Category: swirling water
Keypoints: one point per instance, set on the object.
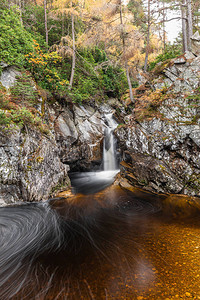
(113, 244)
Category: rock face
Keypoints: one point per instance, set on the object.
(30, 167)
(8, 75)
(79, 134)
(181, 74)
(162, 154)
(34, 167)
(196, 43)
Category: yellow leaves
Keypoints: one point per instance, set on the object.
(64, 49)
(66, 7)
(113, 49)
(188, 294)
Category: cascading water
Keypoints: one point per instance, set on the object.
(109, 151)
(92, 182)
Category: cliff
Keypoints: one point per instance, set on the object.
(34, 163)
(161, 142)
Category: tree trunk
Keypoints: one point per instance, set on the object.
(73, 54)
(184, 26)
(20, 11)
(124, 54)
(148, 36)
(190, 27)
(45, 22)
(164, 34)
(63, 19)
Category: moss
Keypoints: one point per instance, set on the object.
(162, 167)
(61, 186)
(161, 66)
(39, 159)
(121, 126)
(143, 181)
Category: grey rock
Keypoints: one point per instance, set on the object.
(189, 55)
(163, 155)
(8, 76)
(30, 167)
(182, 75)
(196, 43)
(180, 60)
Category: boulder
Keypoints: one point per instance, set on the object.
(30, 167)
(8, 75)
(196, 43)
(162, 153)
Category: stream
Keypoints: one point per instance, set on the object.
(102, 242)
(114, 244)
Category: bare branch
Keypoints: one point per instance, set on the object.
(52, 26)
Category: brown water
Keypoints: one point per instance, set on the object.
(115, 244)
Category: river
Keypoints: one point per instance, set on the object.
(114, 244)
(104, 241)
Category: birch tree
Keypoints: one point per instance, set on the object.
(189, 22)
(124, 53)
(45, 22)
(73, 49)
(68, 7)
(148, 34)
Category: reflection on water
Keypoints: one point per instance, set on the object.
(110, 245)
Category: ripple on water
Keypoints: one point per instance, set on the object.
(111, 245)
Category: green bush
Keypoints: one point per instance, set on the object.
(114, 82)
(4, 120)
(171, 52)
(24, 89)
(15, 41)
(103, 79)
(22, 116)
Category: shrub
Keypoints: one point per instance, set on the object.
(15, 41)
(24, 89)
(114, 82)
(4, 120)
(44, 67)
(171, 52)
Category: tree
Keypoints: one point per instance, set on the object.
(45, 21)
(190, 22)
(184, 26)
(148, 35)
(124, 53)
(185, 10)
(68, 7)
(111, 27)
(73, 49)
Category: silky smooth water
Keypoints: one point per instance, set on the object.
(114, 244)
(109, 151)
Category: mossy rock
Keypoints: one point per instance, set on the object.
(159, 68)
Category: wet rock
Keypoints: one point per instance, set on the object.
(30, 167)
(164, 152)
(152, 174)
(79, 134)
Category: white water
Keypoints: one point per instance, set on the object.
(92, 182)
(109, 151)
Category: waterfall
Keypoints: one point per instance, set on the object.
(93, 182)
(109, 151)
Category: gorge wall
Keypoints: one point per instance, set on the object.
(161, 152)
(35, 165)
